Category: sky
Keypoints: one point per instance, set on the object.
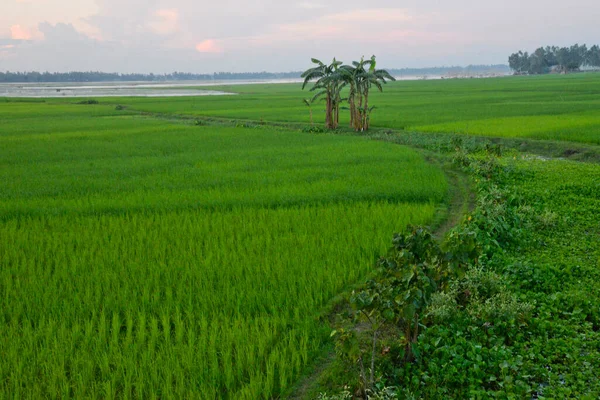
(201, 36)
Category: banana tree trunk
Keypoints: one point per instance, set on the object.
(351, 106)
(357, 111)
(359, 125)
(365, 125)
(328, 119)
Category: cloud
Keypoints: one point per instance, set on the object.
(166, 21)
(27, 14)
(355, 26)
(310, 6)
(62, 33)
(14, 42)
(184, 35)
(18, 32)
(378, 15)
(208, 46)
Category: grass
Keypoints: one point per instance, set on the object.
(146, 257)
(141, 258)
(580, 127)
(562, 108)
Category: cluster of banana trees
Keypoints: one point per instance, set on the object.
(330, 80)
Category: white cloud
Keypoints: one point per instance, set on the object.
(208, 46)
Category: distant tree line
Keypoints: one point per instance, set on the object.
(554, 58)
(93, 76)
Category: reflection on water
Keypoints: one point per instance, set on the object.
(140, 89)
(38, 90)
(128, 89)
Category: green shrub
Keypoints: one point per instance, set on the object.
(314, 129)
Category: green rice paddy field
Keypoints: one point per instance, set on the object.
(551, 107)
(142, 256)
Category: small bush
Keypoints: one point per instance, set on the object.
(90, 101)
(377, 393)
(246, 125)
(345, 395)
(314, 129)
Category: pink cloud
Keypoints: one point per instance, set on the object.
(18, 32)
(166, 21)
(208, 46)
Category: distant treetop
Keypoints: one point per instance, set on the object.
(555, 59)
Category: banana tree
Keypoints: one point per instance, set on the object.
(361, 76)
(329, 84)
(353, 76)
(331, 79)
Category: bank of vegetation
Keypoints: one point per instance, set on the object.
(506, 305)
(555, 59)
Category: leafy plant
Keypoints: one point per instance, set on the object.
(313, 129)
(328, 84)
(332, 79)
(398, 296)
(361, 76)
